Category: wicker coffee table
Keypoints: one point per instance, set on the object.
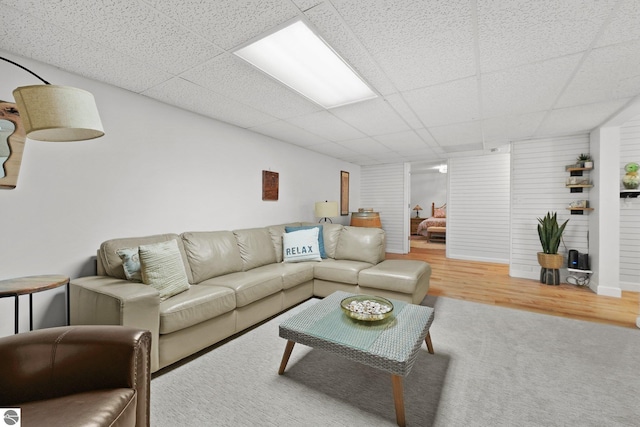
(390, 345)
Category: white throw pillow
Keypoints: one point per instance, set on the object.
(162, 268)
(301, 245)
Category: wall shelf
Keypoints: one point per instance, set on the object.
(579, 211)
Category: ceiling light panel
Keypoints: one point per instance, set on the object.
(297, 57)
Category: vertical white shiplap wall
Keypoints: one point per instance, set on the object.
(538, 180)
(478, 208)
(629, 212)
(382, 187)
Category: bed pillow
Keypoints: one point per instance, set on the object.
(162, 268)
(323, 254)
(439, 213)
(130, 263)
(301, 245)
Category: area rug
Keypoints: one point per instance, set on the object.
(492, 366)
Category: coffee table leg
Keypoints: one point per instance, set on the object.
(428, 341)
(285, 357)
(398, 399)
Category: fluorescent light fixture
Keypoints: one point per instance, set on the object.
(298, 58)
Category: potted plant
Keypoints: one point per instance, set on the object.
(585, 160)
(550, 233)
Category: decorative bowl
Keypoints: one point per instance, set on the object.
(367, 307)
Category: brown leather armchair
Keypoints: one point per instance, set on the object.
(77, 376)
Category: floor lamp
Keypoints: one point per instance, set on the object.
(56, 113)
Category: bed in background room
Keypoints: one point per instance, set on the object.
(435, 227)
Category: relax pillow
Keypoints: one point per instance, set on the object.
(162, 268)
(301, 245)
(130, 263)
(439, 213)
(323, 254)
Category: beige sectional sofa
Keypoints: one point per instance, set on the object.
(237, 279)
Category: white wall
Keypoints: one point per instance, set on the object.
(428, 187)
(383, 189)
(538, 180)
(478, 208)
(158, 169)
(629, 211)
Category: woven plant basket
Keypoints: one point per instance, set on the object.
(553, 261)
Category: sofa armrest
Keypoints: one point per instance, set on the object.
(104, 300)
(62, 361)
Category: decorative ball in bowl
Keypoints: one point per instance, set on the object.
(367, 307)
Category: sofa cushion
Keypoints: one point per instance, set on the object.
(331, 233)
(162, 268)
(294, 274)
(112, 263)
(290, 229)
(301, 245)
(364, 244)
(251, 286)
(398, 275)
(196, 305)
(256, 247)
(211, 253)
(130, 263)
(343, 271)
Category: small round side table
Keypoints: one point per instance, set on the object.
(30, 285)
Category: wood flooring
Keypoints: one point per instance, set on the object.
(490, 283)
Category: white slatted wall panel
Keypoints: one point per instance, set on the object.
(538, 180)
(478, 208)
(382, 188)
(629, 211)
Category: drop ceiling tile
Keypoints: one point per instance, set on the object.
(610, 72)
(427, 137)
(60, 48)
(580, 119)
(465, 150)
(195, 98)
(526, 89)
(402, 141)
(366, 146)
(623, 26)
(372, 117)
(327, 126)
(289, 133)
(333, 30)
(133, 28)
(446, 103)
(306, 4)
(416, 43)
(397, 102)
(334, 150)
(235, 79)
(510, 128)
(228, 23)
(516, 32)
(458, 134)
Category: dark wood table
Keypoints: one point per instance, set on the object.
(28, 286)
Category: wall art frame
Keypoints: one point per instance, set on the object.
(270, 184)
(344, 193)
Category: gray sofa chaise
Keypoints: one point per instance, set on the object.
(237, 279)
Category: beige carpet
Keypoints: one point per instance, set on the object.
(492, 366)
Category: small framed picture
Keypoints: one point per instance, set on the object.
(270, 185)
(344, 193)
